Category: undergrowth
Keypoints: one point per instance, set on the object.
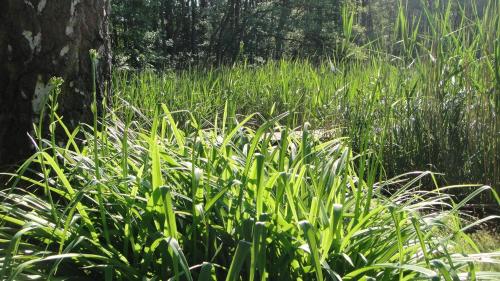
(178, 180)
(142, 199)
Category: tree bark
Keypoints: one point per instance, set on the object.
(284, 15)
(40, 39)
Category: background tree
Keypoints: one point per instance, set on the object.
(222, 31)
(182, 33)
(40, 39)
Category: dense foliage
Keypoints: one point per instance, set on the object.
(290, 169)
(144, 200)
(392, 111)
(180, 33)
(434, 106)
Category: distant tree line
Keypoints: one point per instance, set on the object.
(180, 33)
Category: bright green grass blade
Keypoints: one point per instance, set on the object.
(418, 269)
(241, 253)
(64, 180)
(310, 238)
(177, 133)
(258, 252)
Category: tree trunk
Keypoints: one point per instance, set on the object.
(40, 39)
(284, 16)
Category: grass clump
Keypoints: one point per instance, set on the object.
(146, 200)
(208, 191)
(426, 97)
(449, 128)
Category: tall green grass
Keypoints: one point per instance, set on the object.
(450, 128)
(180, 179)
(143, 199)
(428, 101)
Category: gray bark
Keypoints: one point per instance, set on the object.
(40, 39)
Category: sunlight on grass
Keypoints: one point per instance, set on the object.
(225, 202)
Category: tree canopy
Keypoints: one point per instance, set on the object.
(178, 33)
